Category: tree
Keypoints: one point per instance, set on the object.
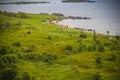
(108, 33)
(94, 35)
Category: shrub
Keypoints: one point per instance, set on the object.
(69, 48)
(29, 56)
(101, 48)
(3, 49)
(25, 76)
(18, 23)
(8, 60)
(98, 60)
(8, 74)
(117, 37)
(79, 40)
(107, 44)
(22, 15)
(49, 37)
(7, 24)
(81, 47)
(49, 58)
(92, 48)
(45, 57)
(97, 76)
(17, 44)
(113, 47)
(83, 35)
(111, 58)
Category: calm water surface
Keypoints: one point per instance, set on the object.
(104, 13)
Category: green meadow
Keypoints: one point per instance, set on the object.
(33, 49)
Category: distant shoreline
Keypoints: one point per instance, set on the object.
(78, 1)
(23, 2)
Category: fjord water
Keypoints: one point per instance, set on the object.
(104, 14)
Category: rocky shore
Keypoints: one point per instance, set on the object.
(70, 17)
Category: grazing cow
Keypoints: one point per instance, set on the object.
(28, 32)
(23, 33)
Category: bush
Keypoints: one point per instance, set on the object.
(8, 74)
(49, 37)
(3, 49)
(113, 47)
(101, 48)
(8, 60)
(49, 58)
(81, 47)
(98, 42)
(83, 35)
(98, 60)
(111, 58)
(117, 37)
(45, 57)
(97, 76)
(18, 23)
(25, 76)
(17, 44)
(7, 24)
(107, 44)
(92, 48)
(22, 15)
(69, 48)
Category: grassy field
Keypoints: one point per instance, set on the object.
(33, 49)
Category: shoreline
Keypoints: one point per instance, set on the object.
(68, 17)
(75, 1)
(56, 22)
(23, 2)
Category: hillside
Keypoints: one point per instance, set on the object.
(33, 49)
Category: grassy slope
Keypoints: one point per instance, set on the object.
(69, 65)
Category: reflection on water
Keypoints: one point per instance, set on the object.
(104, 13)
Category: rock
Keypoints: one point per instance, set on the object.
(90, 30)
(26, 49)
(44, 13)
(86, 18)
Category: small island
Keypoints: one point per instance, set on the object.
(23, 2)
(77, 1)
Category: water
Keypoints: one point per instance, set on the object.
(104, 13)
